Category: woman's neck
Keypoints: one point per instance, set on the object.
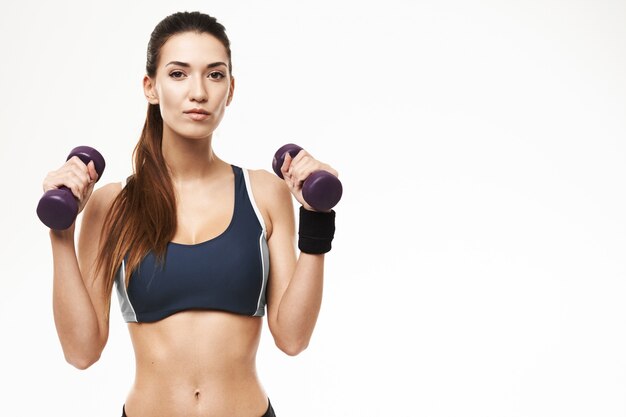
(190, 160)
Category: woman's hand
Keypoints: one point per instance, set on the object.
(296, 170)
(76, 176)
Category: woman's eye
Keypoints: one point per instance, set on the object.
(216, 75)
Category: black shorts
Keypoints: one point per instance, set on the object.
(268, 413)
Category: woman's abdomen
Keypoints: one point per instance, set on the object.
(196, 363)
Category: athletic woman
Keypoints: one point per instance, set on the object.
(199, 250)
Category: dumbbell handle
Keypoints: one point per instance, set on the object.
(321, 190)
(58, 208)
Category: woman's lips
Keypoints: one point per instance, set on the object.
(197, 116)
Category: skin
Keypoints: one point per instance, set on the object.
(195, 362)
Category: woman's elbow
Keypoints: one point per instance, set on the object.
(292, 348)
(82, 363)
(83, 357)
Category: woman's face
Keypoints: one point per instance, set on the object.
(192, 73)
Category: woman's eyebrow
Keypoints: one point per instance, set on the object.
(186, 65)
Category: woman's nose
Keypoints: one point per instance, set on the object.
(198, 90)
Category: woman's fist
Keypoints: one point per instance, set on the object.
(296, 170)
(76, 176)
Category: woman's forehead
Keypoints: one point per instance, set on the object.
(195, 49)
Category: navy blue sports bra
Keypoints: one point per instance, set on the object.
(228, 272)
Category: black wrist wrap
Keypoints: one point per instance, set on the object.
(316, 231)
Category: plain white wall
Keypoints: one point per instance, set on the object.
(478, 267)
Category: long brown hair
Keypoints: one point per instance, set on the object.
(143, 215)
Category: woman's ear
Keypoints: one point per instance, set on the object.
(231, 91)
(149, 91)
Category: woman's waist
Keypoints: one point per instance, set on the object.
(179, 383)
(195, 370)
(178, 395)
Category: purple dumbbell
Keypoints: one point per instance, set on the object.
(321, 190)
(58, 208)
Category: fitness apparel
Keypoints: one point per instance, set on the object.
(268, 413)
(228, 272)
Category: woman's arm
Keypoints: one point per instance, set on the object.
(295, 286)
(78, 306)
(296, 282)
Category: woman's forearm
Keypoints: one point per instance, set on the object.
(74, 315)
(301, 302)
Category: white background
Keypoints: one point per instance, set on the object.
(478, 266)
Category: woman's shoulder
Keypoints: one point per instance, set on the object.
(268, 184)
(113, 188)
(103, 196)
(271, 194)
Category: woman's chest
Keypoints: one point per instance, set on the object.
(226, 273)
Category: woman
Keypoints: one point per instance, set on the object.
(188, 241)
